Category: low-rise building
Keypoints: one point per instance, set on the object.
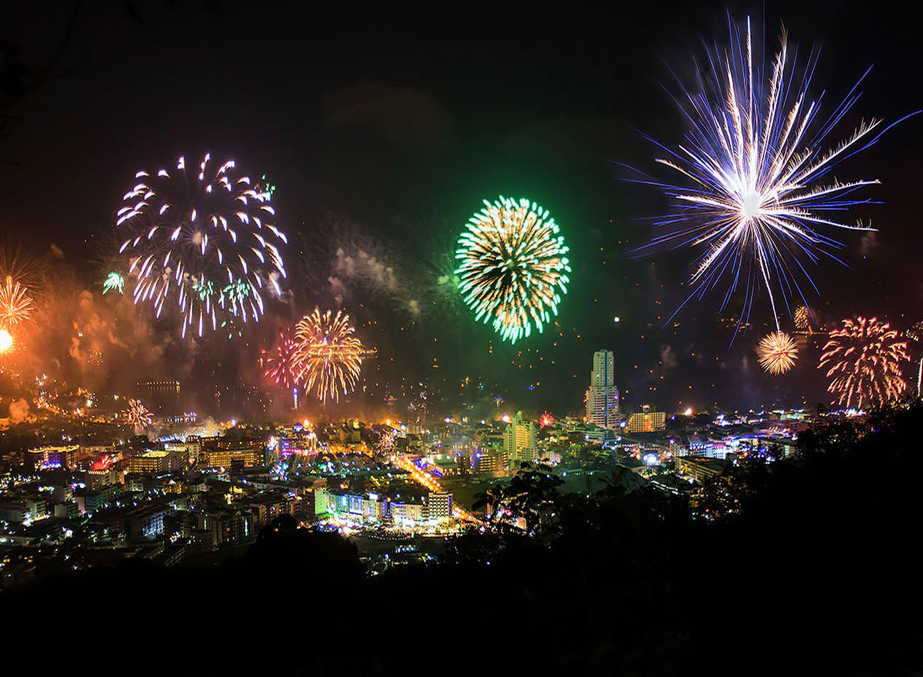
(157, 462)
(439, 507)
(221, 452)
(646, 421)
(491, 461)
(145, 521)
(53, 457)
(407, 514)
(231, 526)
(699, 469)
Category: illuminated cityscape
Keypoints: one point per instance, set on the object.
(551, 341)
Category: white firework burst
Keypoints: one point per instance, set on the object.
(201, 240)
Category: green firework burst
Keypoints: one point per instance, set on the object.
(512, 267)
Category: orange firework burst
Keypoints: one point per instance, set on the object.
(15, 303)
(329, 353)
(777, 353)
(545, 420)
(863, 360)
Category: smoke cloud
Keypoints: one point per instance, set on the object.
(101, 342)
(19, 412)
(355, 267)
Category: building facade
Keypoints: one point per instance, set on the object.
(222, 452)
(519, 440)
(491, 461)
(646, 421)
(439, 507)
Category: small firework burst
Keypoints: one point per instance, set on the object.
(863, 360)
(802, 317)
(138, 416)
(386, 444)
(329, 353)
(777, 353)
(115, 282)
(15, 303)
(281, 365)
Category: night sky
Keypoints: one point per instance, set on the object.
(384, 131)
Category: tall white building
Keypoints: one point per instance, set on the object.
(602, 397)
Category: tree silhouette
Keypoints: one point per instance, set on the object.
(531, 496)
(325, 557)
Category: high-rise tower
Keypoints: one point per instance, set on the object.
(602, 397)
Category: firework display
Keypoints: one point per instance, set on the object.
(758, 165)
(268, 187)
(198, 245)
(512, 267)
(137, 415)
(114, 281)
(201, 240)
(777, 353)
(15, 303)
(863, 360)
(329, 353)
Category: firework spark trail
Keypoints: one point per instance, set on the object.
(329, 354)
(777, 353)
(15, 303)
(201, 241)
(863, 360)
(755, 154)
(511, 267)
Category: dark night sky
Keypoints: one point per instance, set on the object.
(384, 131)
